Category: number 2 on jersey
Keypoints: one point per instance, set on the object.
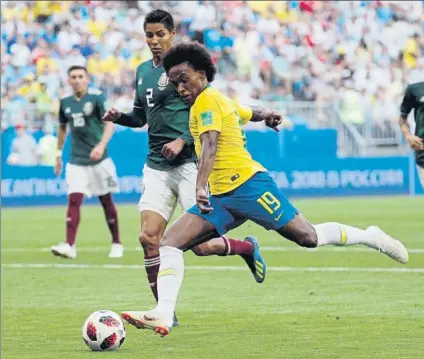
(269, 202)
(149, 97)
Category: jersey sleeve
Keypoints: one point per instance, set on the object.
(62, 118)
(245, 113)
(407, 103)
(208, 115)
(137, 103)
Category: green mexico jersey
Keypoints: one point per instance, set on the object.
(167, 116)
(414, 100)
(84, 117)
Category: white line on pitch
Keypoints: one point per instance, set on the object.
(213, 268)
(264, 249)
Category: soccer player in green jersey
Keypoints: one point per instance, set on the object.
(90, 171)
(414, 100)
(169, 176)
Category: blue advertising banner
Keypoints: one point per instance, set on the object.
(310, 176)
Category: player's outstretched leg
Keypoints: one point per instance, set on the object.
(68, 249)
(111, 215)
(152, 228)
(305, 234)
(185, 231)
(248, 249)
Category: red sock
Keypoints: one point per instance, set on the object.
(111, 216)
(151, 264)
(237, 247)
(73, 216)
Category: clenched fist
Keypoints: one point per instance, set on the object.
(111, 115)
(173, 148)
(272, 119)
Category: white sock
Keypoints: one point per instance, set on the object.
(338, 234)
(170, 277)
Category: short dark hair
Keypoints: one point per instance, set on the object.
(160, 17)
(77, 67)
(194, 55)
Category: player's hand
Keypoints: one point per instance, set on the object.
(272, 119)
(111, 115)
(202, 200)
(415, 142)
(58, 166)
(97, 152)
(172, 149)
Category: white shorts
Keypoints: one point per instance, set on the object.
(421, 175)
(96, 180)
(161, 191)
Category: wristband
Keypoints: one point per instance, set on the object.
(58, 153)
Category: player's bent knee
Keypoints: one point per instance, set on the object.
(149, 241)
(308, 238)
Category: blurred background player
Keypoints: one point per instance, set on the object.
(90, 171)
(414, 100)
(169, 175)
(241, 189)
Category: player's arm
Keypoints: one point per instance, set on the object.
(415, 142)
(209, 120)
(187, 138)
(271, 118)
(61, 137)
(109, 128)
(209, 141)
(98, 151)
(135, 118)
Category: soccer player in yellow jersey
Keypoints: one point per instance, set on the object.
(231, 187)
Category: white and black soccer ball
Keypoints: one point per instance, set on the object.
(103, 330)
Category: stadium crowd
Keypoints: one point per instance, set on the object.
(358, 53)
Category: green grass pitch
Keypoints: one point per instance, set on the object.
(330, 303)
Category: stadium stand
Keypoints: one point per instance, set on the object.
(343, 64)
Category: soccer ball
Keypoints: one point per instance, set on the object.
(103, 330)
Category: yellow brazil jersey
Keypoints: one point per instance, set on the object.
(213, 111)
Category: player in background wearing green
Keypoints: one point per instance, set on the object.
(170, 173)
(414, 100)
(90, 171)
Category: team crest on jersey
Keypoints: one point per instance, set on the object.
(163, 81)
(67, 110)
(88, 108)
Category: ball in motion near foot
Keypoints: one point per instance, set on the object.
(103, 330)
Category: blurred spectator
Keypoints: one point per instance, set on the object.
(21, 54)
(24, 149)
(325, 51)
(45, 107)
(47, 146)
(351, 107)
(13, 106)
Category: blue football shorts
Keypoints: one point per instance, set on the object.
(258, 199)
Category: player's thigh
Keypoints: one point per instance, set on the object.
(188, 231)
(421, 175)
(300, 231)
(185, 178)
(220, 217)
(77, 179)
(260, 200)
(103, 178)
(157, 194)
